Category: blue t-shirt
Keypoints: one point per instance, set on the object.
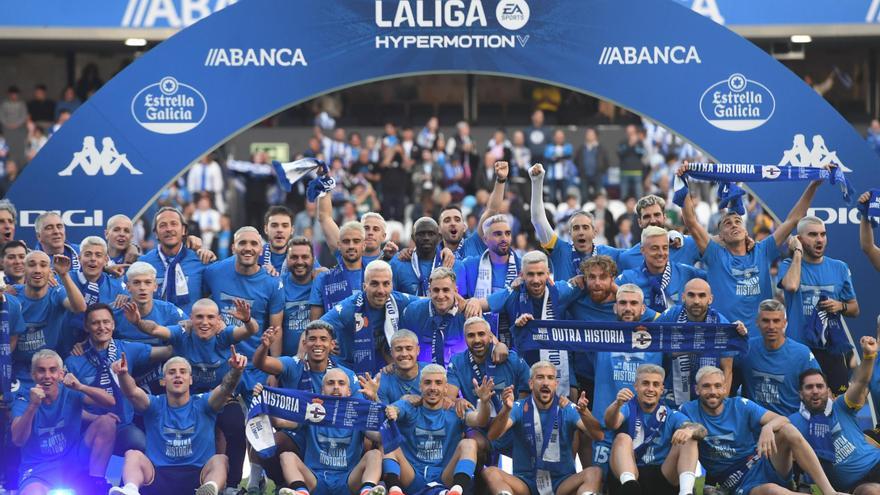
(163, 312)
(514, 371)
(405, 278)
(680, 275)
(471, 245)
(732, 435)
(332, 450)
(430, 436)
(208, 358)
(740, 283)
(830, 278)
(11, 309)
(295, 375)
(264, 293)
(136, 355)
(656, 452)
(43, 320)
(277, 260)
(417, 318)
(854, 457)
(193, 269)
(563, 260)
(297, 312)
(180, 436)
(615, 371)
(355, 279)
(687, 254)
(55, 432)
(393, 387)
(108, 288)
(770, 378)
(342, 317)
(524, 451)
(467, 271)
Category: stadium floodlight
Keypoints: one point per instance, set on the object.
(135, 42)
(801, 38)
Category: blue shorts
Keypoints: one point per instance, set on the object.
(424, 475)
(61, 473)
(602, 453)
(331, 482)
(298, 438)
(761, 473)
(528, 479)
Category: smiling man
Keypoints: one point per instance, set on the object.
(298, 283)
(118, 235)
(278, 227)
(12, 255)
(347, 277)
(436, 320)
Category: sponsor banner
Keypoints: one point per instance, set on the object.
(169, 107)
(737, 104)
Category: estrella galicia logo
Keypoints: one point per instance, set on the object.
(169, 107)
(737, 104)
(512, 14)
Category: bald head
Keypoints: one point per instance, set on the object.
(696, 299)
(336, 383)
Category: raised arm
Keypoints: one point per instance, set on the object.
(502, 421)
(543, 230)
(221, 393)
(496, 199)
(139, 399)
(93, 395)
(797, 212)
(262, 360)
(689, 218)
(588, 423)
(613, 417)
(866, 236)
(328, 225)
(791, 282)
(242, 313)
(148, 327)
(75, 303)
(23, 425)
(857, 392)
(485, 390)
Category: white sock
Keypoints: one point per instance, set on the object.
(588, 493)
(686, 482)
(626, 476)
(256, 476)
(131, 488)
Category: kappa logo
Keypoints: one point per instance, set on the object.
(512, 14)
(817, 156)
(108, 160)
(641, 339)
(315, 412)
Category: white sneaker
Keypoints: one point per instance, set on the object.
(378, 490)
(120, 490)
(209, 488)
(286, 491)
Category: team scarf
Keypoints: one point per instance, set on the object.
(483, 289)
(368, 347)
(458, 251)
(747, 172)
(117, 260)
(484, 370)
(685, 366)
(871, 209)
(290, 173)
(546, 452)
(549, 306)
(336, 286)
(644, 428)
(174, 287)
(620, 336)
(266, 256)
(91, 290)
(819, 434)
(824, 330)
(305, 407)
(6, 377)
(730, 196)
(424, 278)
(658, 283)
(577, 257)
(437, 326)
(105, 378)
(305, 380)
(68, 251)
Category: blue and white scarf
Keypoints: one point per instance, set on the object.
(437, 325)
(290, 173)
(577, 257)
(105, 378)
(685, 366)
(266, 256)
(91, 290)
(424, 278)
(819, 434)
(484, 370)
(69, 251)
(174, 287)
(871, 209)
(483, 289)
(644, 428)
(6, 377)
(824, 330)
(549, 305)
(369, 347)
(336, 286)
(657, 295)
(546, 452)
(305, 380)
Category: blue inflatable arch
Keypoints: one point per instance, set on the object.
(232, 69)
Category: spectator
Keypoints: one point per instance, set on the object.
(207, 218)
(89, 82)
(13, 117)
(601, 212)
(631, 153)
(63, 116)
(10, 173)
(428, 135)
(41, 108)
(624, 238)
(206, 176)
(68, 102)
(560, 168)
(592, 163)
(35, 143)
(536, 135)
(396, 181)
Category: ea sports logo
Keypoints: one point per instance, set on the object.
(512, 14)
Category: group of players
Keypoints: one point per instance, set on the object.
(153, 356)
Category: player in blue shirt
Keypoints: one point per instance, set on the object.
(565, 257)
(661, 279)
(278, 227)
(364, 323)
(740, 278)
(180, 454)
(681, 368)
(334, 460)
(543, 432)
(436, 320)
(404, 378)
(242, 277)
(747, 448)
(47, 423)
(654, 446)
(121, 251)
(178, 269)
(770, 369)
(43, 309)
(412, 276)
(297, 289)
(651, 210)
(808, 276)
(832, 429)
(453, 232)
(375, 231)
(141, 283)
(433, 449)
(11, 327)
(346, 278)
